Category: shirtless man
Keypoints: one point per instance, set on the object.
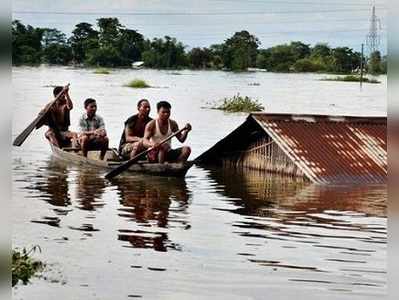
(58, 120)
(131, 142)
(161, 128)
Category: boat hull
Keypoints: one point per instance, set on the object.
(166, 169)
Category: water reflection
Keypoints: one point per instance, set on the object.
(338, 233)
(50, 183)
(90, 188)
(152, 203)
(256, 193)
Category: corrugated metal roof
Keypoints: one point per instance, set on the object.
(331, 149)
(327, 149)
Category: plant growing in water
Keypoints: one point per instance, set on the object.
(238, 103)
(351, 78)
(102, 71)
(24, 266)
(138, 84)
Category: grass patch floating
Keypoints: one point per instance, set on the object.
(138, 84)
(351, 78)
(103, 71)
(238, 103)
(24, 266)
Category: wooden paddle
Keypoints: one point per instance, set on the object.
(126, 165)
(27, 131)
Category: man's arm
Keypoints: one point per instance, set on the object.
(69, 103)
(101, 127)
(182, 136)
(148, 133)
(130, 137)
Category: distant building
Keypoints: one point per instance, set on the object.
(322, 149)
(138, 65)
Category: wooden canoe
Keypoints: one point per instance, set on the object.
(112, 160)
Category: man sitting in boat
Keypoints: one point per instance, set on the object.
(161, 128)
(92, 134)
(58, 120)
(131, 142)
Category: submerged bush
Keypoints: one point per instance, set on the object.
(240, 104)
(138, 84)
(351, 78)
(24, 266)
(102, 71)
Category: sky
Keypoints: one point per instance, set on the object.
(201, 23)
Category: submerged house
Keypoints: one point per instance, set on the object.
(322, 149)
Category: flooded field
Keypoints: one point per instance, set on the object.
(217, 234)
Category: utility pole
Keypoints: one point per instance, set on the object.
(361, 67)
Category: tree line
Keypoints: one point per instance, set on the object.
(110, 44)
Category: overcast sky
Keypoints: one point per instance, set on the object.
(206, 22)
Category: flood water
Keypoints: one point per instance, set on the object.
(216, 234)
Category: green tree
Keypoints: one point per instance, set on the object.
(320, 55)
(299, 50)
(344, 60)
(131, 45)
(110, 31)
(216, 52)
(263, 59)
(375, 63)
(320, 50)
(308, 65)
(240, 51)
(26, 43)
(83, 38)
(281, 58)
(164, 53)
(150, 58)
(56, 50)
(104, 57)
(199, 58)
(108, 52)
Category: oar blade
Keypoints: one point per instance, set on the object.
(123, 167)
(115, 172)
(24, 134)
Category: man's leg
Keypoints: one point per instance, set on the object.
(70, 138)
(137, 148)
(84, 144)
(179, 154)
(74, 139)
(163, 150)
(104, 141)
(50, 135)
(185, 153)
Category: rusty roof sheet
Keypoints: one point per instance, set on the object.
(331, 149)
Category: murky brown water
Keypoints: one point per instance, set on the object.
(217, 234)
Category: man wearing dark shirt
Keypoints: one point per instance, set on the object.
(58, 120)
(131, 142)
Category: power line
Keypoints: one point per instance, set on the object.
(287, 32)
(265, 2)
(323, 3)
(232, 13)
(276, 22)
